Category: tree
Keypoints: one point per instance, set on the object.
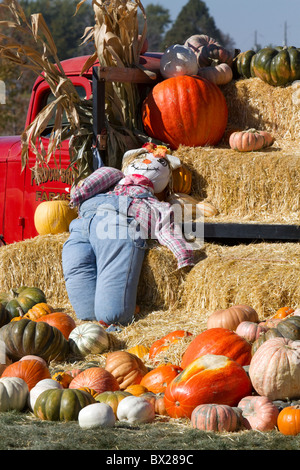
(194, 18)
(158, 20)
(66, 28)
(67, 31)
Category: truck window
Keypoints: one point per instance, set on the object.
(49, 97)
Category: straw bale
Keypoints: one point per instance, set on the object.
(35, 262)
(252, 103)
(264, 276)
(260, 186)
(38, 262)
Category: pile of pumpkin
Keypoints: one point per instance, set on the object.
(239, 373)
(187, 107)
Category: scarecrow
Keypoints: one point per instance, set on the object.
(118, 213)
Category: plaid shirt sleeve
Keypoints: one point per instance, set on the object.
(157, 222)
(98, 182)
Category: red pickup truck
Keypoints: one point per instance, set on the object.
(19, 192)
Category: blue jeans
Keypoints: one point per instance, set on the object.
(102, 262)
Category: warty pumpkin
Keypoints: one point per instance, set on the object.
(53, 217)
(211, 378)
(185, 110)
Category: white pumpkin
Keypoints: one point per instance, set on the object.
(88, 338)
(45, 384)
(13, 393)
(96, 415)
(135, 410)
(178, 60)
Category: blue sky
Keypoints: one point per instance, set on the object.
(241, 18)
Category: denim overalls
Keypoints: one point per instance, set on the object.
(102, 260)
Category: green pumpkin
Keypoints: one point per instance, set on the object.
(290, 328)
(27, 337)
(5, 316)
(61, 404)
(20, 300)
(276, 66)
(241, 66)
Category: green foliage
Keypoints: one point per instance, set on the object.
(194, 18)
(66, 28)
(158, 20)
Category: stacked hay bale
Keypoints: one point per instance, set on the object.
(250, 187)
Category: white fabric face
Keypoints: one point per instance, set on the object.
(157, 170)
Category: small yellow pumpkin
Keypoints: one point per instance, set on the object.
(63, 378)
(53, 217)
(182, 180)
(139, 350)
(136, 389)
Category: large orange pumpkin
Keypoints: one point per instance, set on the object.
(30, 370)
(60, 320)
(209, 379)
(159, 378)
(97, 379)
(186, 110)
(218, 341)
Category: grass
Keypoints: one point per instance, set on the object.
(22, 431)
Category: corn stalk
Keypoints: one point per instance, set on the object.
(115, 36)
(41, 57)
(117, 43)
